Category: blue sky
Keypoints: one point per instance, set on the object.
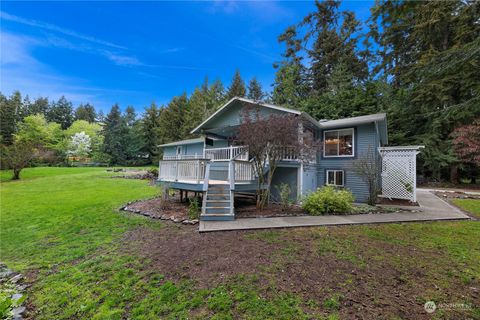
(133, 53)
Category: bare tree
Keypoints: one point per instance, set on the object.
(367, 167)
(16, 157)
(269, 139)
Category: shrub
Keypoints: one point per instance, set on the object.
(194, 209)
(328, 200)
(153, 172)
(284, 191)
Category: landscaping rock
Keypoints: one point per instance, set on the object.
(16, 278)
(17, 296)
(186, 221)
(194, 221)
(18, 311)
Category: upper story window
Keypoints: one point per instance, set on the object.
(338, 143)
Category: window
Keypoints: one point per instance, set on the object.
(335, 178)
(338, 143)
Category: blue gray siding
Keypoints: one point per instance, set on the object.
(187, 149)
(288, 175)
(233, 116)
(365, 137)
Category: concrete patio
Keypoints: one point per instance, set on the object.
(431, 208)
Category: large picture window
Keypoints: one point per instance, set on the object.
(335, 178)
(338, 143)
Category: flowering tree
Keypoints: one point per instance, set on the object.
(269, 139)
(80, 145)
(466, 143)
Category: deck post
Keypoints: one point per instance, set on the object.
(231, 174)
(176, 170)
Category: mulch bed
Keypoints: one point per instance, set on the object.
(244, 208)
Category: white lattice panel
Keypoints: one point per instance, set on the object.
(399, 172)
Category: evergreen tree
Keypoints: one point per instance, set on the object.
(135, 142)
(172, 120)
(115, 132)
(197, 109)
(255, 91)
(333, 35)
(216, 96)
(85, 112)
(429, 50)
(237, 87)
(9, 116)
(151, 130)
(39, 106)
(61, 112)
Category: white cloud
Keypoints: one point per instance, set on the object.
(52, 27)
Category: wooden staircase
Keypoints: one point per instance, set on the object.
(218, 203)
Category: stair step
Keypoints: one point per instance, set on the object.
(218, 191)
(215, 197)
(217, 217)
(217, 210)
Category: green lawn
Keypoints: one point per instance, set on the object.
(470, 205)
(86, 260)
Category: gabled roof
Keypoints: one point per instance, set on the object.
(261, 104)
(353, 120)
(183, 142)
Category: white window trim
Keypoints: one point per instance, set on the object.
(335, 178)
(340, 156)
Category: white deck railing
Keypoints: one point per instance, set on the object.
(178, 170)
(183, 157)
(243, 170)
(228, 153)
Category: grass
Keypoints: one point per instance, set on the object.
(470, 205)
(61, 227)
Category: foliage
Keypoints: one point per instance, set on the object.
(16, 157)
(367, 167)
(194, 208)
(36, 130)
(466, 142)
(9, 117)
(255, 91)
(115, 132)
(61, 112)
(328, 200)
(85, 112)
(150, 124)
(237, 87)
(80, 145)
(285, 192)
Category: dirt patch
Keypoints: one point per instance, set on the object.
(207, 258)
(371, 279)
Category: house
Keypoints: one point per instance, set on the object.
(214, 166)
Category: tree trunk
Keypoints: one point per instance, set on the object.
(16, 174)
(454, 174)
